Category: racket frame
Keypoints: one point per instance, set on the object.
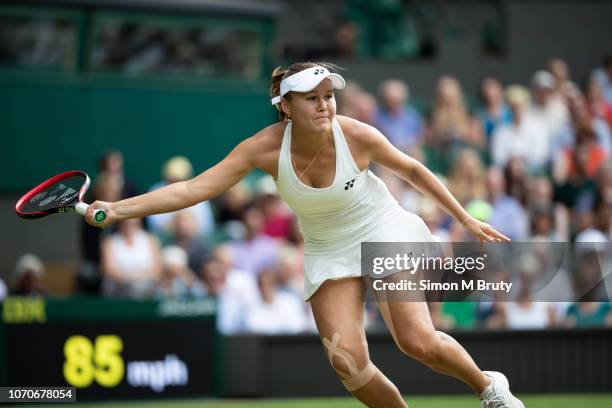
(42, 186)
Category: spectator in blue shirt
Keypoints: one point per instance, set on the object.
(401, 123)
(494, 111)
(603, 76)
(508, 215)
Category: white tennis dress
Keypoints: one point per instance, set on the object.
(334, 220)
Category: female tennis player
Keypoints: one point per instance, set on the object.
(320, 163)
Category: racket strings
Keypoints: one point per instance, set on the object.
(61, 193)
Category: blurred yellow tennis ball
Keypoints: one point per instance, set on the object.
(480, 209)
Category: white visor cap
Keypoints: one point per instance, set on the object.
(306, 80)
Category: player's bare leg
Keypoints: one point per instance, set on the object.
(338, 310)
(414, 333)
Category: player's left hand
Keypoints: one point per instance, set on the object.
(483, 231)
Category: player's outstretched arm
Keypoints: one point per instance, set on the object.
(381, 151)
(176, 196)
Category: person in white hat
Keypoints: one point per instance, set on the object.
(320, 163)
(179, 168)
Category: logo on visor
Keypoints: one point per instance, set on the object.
(319, 71)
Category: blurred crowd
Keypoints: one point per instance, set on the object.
(133, 47)
(147, 48)
(533, 160)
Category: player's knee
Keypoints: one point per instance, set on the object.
(346, 359)
(422, 348)
(346, 369)
(352, 364)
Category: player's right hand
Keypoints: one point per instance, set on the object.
(111, 216)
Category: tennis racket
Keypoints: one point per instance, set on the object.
(60, 194)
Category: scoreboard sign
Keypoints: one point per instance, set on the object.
(152, 349)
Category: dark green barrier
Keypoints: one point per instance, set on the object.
(48, 127)
(64, 114)
(535, 361)
(111, 348)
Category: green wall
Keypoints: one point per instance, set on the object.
(50, 124)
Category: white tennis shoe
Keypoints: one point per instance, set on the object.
(497, 394)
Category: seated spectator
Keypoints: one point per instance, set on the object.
(177, 280)
(467, 178)
(177, 169)
(230, 204)
(527, 137)
(540, 192)
(540, 205)
(28, 274)
(575, 189)
(528, 314)
(525, 312)
(278, 216)
(276, 311)
(184, 233)
(563, 84)
(400, 123)
(475, 138)
(239, 281)
(600, 222)
(582, 122)
(112, 163)
(256, 250)
(603, 76)
(597, 105)
(552, 281)
(495, 112)
(516, 179)
(291, 271)
(131, 263)
(508, 215)
(346, 99)
(548, 105)
(584, 159)
(235, 290)
(366, 108)
(590, 263)
(449, 116)
(542, 224)
(589, 314)
(450, 126)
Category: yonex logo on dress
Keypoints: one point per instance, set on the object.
(349, 184)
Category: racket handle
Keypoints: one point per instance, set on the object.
(99, 215)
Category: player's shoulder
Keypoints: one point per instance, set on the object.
(358, 132)
(268, 138)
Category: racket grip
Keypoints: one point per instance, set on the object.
(99, 215)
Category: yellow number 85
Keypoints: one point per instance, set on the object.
(84, 362)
